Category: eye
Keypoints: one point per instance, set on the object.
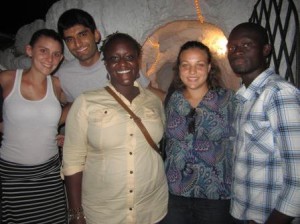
(83, 34)
(247, 45)
(68, 40)
(113, 59)
(231, 48)
(43, 50)
(184, 66)
(57, 54)
(130, 58)
(200, 65)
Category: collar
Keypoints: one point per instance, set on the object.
(256, 87)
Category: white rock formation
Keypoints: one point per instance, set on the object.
(141, 19)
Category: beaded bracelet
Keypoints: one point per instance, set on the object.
(76, 213)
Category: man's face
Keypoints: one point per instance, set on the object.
(81, 42)
(245, 53)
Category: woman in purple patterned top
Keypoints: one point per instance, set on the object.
(198, 149)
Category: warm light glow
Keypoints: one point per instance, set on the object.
(217, 43)
(152, 69)
(198, 10)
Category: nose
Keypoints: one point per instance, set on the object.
(50, 58)
(77, 42)
(193, 69)
(122, 61)
(239, 49)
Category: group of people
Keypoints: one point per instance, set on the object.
(231, 157)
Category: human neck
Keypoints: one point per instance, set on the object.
(91, 61)
(195, 96)
(248, 78)
(129, 92)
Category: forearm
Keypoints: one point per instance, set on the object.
(278, 218)
(73, 186)
(65, 111)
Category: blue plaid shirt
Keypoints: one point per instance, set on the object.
(266, 170)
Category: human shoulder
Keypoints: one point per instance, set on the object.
(7, 77)
(229, 94)
(151, 93)
(67, 65)
(277, 83)
(96, 94)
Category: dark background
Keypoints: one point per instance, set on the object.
(16, 13)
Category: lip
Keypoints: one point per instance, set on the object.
(123, 72)
(238, 61)
(49, 66)
(192, 79)
(81, 50)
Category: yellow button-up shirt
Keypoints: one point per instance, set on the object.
(123, 176)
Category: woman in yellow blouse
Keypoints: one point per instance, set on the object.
(112, 174)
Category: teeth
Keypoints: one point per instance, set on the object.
(81, 49)
(123, 72)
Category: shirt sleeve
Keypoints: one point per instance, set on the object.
(284, 115)
(75, 145)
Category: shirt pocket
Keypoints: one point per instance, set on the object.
(102, 117)
(259, 139)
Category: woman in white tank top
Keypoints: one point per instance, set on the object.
(29, 156)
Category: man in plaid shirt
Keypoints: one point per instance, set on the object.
(266, 170)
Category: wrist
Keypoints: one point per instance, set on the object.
(76, 214)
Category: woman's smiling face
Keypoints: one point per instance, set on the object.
(122, 62)
(194, 68)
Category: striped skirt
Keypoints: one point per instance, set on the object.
(32, 194)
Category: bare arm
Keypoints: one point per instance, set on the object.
(161, 94)
(65, 111)
(73, 187)
(62, 99)
(278, 218)
(6, 84)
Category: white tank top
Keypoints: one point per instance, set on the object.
(30, 127)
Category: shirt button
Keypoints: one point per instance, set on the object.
(130, 191)
(130, 209)
(130, 117)
(130, 153)
(131, 172)
(131, 134)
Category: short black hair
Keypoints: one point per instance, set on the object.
(74, 17)
(260, 32)
(119, 36)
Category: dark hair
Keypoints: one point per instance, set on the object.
(47, 33)
(258, 30)
(74, 17)
(212, 80)
(119, 36)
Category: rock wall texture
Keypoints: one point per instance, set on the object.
(139, 18)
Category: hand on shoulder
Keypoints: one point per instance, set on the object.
(158, 92)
